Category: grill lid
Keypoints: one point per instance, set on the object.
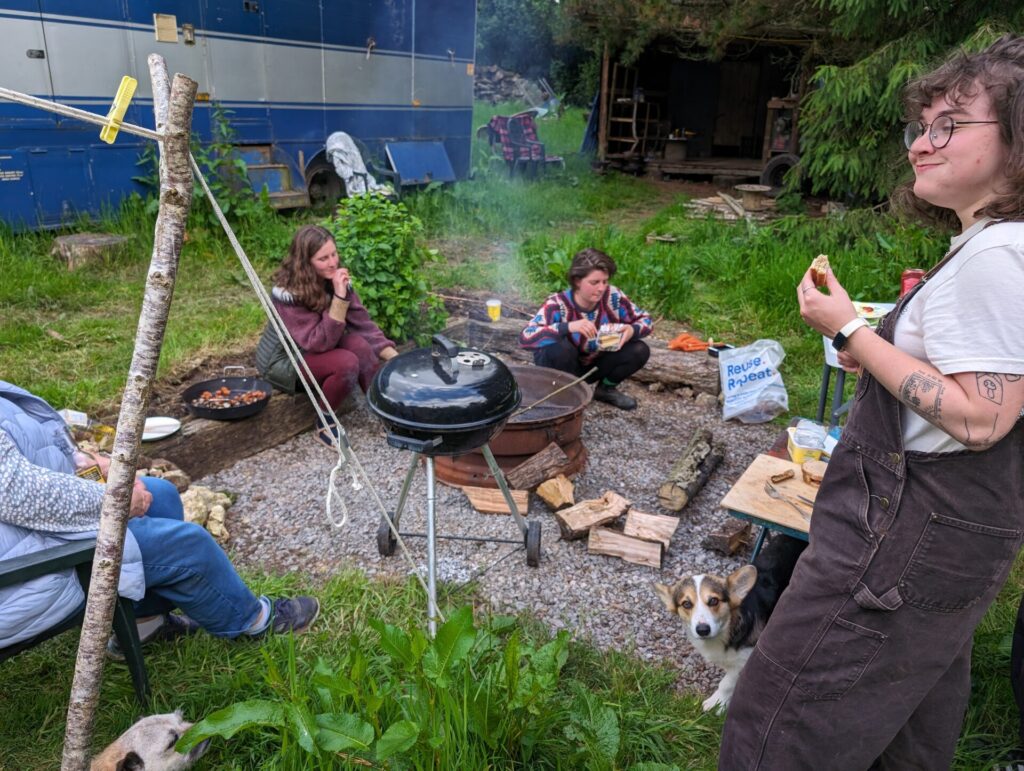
(444, 388)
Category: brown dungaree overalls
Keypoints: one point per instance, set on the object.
(866, 660)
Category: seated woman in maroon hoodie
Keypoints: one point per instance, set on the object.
(314, 295)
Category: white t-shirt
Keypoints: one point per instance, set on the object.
(968, 318)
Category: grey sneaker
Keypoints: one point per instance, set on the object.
(174, 626)
(295, 615)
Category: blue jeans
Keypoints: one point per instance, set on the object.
(185, 568)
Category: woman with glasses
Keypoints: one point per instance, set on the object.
(592, 324)
(865, 662)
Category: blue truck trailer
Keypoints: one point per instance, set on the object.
(287, 73)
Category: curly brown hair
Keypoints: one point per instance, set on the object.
(587, 260)
(296, 273)
(999, 72)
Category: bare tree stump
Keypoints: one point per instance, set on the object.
(615, 544)
(557, 493)
(530, 473)
(577, 520)
(650, 527)
(690, 473)
(81, 249)
(489, 500)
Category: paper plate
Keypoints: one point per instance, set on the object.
(872, 311)
(158, 428)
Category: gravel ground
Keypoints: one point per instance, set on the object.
(278, 523)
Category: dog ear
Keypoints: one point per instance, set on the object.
(739, 583)
(130, 762)
(667, 597)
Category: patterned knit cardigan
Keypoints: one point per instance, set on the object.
(552, 320)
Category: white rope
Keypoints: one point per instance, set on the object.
(74, 112)
(298, 362)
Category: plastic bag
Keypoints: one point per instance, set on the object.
(751, 383)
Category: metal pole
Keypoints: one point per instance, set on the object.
(431, 560)
(499, 477)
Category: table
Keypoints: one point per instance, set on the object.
(748, 500)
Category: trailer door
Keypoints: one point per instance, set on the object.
(24, 67)
(235, 33)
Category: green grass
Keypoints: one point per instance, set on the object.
(200, 675)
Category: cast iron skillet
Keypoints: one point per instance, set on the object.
(238, 385)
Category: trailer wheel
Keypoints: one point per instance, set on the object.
(323, 183)
(385, 538)
(774, 171)
(533, 544)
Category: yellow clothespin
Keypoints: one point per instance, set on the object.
(124, 95)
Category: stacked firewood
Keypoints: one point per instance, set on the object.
(493, 84)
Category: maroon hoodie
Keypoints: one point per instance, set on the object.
(317, 332)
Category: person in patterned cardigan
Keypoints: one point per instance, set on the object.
(591, 324)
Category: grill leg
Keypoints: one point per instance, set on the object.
(405, 488)
(431, 559)
(499, 477)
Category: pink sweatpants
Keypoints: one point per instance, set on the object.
(340, 369)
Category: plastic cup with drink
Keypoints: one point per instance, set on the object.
(494, 309)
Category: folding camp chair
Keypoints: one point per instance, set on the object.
(523, 130)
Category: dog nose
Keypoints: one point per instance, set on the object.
(703, 630)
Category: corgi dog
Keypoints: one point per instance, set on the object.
(149, 746)
(725, 616)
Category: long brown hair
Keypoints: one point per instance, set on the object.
(296, 273)
(999, 72)
(587, 260)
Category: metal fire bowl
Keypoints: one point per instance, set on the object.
(558, 420)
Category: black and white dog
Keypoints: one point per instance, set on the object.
(725, 616)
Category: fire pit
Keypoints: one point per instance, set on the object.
(558, 419)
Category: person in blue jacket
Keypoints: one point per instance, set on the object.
(168, 563)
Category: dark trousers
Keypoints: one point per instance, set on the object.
(614, 366)
(340, 370)
(1017, 667)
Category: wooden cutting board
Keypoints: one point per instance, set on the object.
(748, 496)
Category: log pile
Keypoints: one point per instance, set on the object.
(725, 207)
(493, 84)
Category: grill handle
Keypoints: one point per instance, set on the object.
(443, 351)
(421, 446)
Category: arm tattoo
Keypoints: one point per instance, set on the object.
(990, 386)
(971, 441)
(923, 394)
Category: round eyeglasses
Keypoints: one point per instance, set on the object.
(940, 130)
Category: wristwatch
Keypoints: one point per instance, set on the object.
(843, 335)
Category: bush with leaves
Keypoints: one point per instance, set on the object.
(377, 241)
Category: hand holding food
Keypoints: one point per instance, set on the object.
(611, 337)
(341, 282)
(583, 327)
(819, 270)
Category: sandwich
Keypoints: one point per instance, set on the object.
(819, 269)
(608, 340)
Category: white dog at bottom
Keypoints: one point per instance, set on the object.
(149, 746)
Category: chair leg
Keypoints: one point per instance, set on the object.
(128, 638)
(826, 375)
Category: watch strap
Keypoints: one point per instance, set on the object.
(843, 335)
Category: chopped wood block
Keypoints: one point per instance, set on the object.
(577, 520)
(539, 467)
(813, 471)
(557, 493)
(729, 538)
(690, 473)
(650, 527)
(488, 500)
(783, 476)
(616, 544)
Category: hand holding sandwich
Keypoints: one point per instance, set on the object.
(583, 327)
(827, 313)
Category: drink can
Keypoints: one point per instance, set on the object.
(909, 279)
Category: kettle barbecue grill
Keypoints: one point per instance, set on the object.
(445, 400)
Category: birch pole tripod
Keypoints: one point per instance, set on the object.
(172, 104)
